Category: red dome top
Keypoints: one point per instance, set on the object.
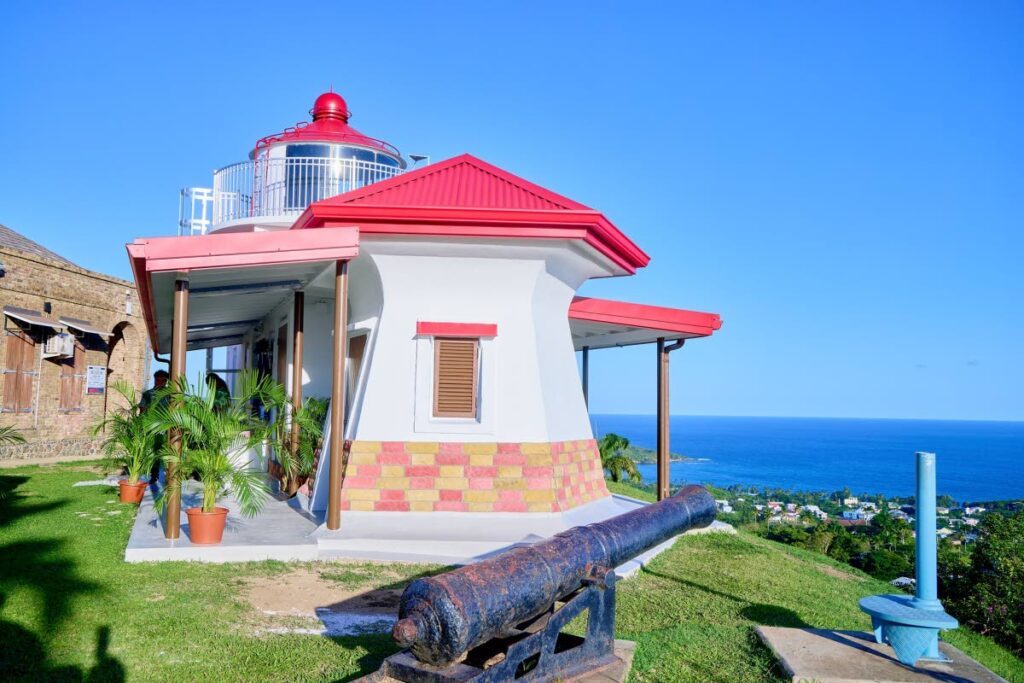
(330, 105)
(330, 124)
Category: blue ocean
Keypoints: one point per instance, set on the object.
(976, 461)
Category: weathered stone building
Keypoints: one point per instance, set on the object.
(68, 334)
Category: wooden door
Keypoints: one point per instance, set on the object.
(356, 351)
(19, 372)
(282, 355)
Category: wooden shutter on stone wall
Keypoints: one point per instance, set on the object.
(19, 372)
(456, 369)
(72, 379)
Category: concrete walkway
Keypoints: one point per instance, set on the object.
(279, 532)
(282, 531)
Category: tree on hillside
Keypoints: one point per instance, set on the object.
(890, 533)
(614, 460)
(884, 564)
(790, 534)
(990, 595)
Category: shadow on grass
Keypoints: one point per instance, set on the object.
(43, 568)
(762, 614)
(378, 648)
(382, 599)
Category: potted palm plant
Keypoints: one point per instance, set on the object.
(212, 433)
(129, 443)
(295, 464)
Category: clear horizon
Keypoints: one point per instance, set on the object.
(841, 183)
(811, 417)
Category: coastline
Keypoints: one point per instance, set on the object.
(977, 461)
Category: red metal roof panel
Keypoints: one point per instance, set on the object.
(464, 182)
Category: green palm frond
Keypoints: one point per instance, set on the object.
(129, 441)
(10, 436)
(210, 434)
(309, 417)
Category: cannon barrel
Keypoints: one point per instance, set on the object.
(444, 616)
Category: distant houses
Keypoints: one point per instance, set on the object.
(956, 525)
(815, 511)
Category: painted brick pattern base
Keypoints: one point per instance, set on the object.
(472, 477)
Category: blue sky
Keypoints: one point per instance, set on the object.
(842, 182)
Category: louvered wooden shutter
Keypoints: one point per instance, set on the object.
(19, 373)
(456, 363)
(12, 367)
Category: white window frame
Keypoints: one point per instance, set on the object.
(487, 394)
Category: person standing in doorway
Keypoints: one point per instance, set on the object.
(150, 398)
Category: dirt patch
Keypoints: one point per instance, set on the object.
(836, 573)
(304, 592)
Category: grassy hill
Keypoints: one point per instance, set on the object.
(694, 609)
(70, 608)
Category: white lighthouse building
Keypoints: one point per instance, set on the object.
(436, 308)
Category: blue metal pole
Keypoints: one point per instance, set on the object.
(926, 566)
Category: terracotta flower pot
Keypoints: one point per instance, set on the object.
(206, 528)
(132, 493)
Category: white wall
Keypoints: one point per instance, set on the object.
(530, 387)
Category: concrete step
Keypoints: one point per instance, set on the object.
(434, 551)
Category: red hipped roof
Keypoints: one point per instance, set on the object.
(467, 197)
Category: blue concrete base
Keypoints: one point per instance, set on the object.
(912, 632)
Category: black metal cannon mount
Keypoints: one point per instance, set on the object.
(503, 619)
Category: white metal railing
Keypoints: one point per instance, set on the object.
(286, 186)
(194, 209)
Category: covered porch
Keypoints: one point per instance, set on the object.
(223, 290)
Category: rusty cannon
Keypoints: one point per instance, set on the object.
(503, 618)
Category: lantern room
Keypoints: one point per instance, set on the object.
(288, 171)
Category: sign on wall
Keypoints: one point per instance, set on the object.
(95, 379)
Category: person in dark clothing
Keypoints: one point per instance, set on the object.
(222, 394)
(147, 400)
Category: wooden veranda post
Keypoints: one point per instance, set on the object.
(338, 395)
(297, 335)
(663, 415)
(179, 348)
(586, 376)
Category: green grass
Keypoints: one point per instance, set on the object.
(71, 608)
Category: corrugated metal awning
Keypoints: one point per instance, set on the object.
(31, 317)
(85, 326)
